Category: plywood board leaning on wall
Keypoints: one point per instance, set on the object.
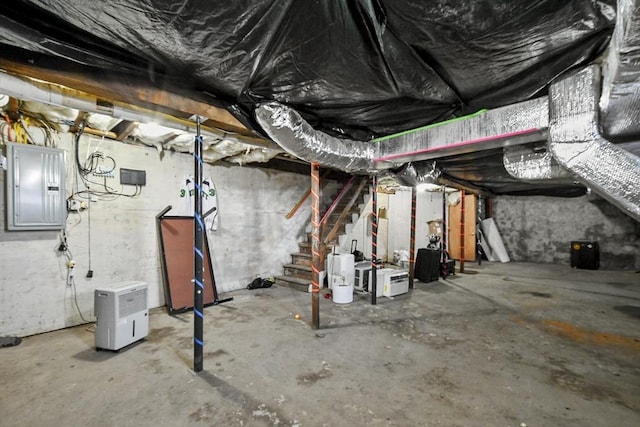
(454, 228)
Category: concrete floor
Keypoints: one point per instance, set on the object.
(511, 345)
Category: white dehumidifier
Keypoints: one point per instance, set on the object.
(122, 316)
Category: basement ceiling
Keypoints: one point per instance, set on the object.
(358, 69)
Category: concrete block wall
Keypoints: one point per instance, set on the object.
(253, 239)
(540, 229)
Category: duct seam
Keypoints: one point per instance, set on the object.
(620, 103)
(576, 143)
(527, 165)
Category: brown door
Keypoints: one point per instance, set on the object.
(460, 239)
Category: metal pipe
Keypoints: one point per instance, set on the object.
(198, 265)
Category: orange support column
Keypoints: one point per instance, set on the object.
(315, 245)
(462, 231)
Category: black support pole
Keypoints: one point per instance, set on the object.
(374, 241)
(198, 243)
(412, 238)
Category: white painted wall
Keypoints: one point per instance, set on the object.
(254, 237)
(394, 232)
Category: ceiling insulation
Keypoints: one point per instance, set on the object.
(341, 74)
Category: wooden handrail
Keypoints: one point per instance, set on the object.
(304, 198)
(336, 227)
(337, 200)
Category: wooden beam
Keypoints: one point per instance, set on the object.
(316, 265)
(472, 189)
(127, 131)
(97, 132)
(146, 97)
(76, 124)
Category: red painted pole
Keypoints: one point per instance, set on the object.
(315, 245)
(461, 231)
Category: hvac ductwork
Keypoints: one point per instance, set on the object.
(515, 124)
(285, 126)
(412, 174)
(620, 103)
(511, 125)
(530, 165)
(576, 143)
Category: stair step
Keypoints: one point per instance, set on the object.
(293, 282)
(305, 247)
(301, 258)
(296, 270)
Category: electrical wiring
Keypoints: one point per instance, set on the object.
(7, 123)
(99, 165)
(75, 300)
(64, 248)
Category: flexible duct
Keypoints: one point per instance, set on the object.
(620, 103)
(576, 143)
(285, 126)
(515, 124)
(526, 164)
(412, 174)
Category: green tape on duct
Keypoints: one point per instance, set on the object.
(446, 122)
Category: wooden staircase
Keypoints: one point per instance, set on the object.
(344, 210)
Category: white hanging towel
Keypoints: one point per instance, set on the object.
(209, 200)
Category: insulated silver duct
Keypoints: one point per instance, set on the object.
(620, 103)
(286, 127)
(576, 143)
(530, 165)
(412, 174)
(514, 124)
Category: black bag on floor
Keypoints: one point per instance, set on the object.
(259, 282)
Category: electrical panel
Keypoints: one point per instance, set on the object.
(133, 177)
(35, 187)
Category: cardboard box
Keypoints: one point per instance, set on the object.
(435, 227)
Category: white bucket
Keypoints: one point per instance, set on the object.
(342, 294)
